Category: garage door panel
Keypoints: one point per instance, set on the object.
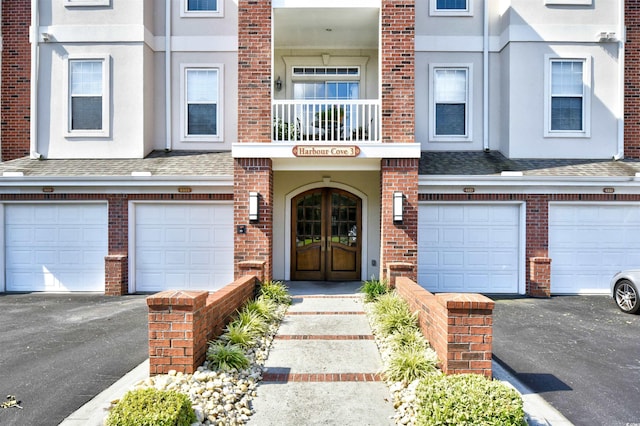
(588, 243)
(194, 250)
(55, 247)
(469, 247)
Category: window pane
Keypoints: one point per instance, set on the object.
(86, 113)
(86, 78)
(209, 5)
(202, 119)
(450, 85)
(202, 86)
(450, 119)
(566, 78)
(566, 113)
(451, 4)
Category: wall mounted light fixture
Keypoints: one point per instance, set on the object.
(278, 84)
(397, 206)
(254, 215)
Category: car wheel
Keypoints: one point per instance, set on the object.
(626, 295)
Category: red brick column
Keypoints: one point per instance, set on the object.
(116, 281)
(177, 331)
(537, 245)
(16, 79)
(255, 244)
(254, 71)
(540, 277)
(399, 269)
(459, 327)
(398, 70)
(399, 240)
(632, 81)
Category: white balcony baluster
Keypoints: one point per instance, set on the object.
(326, 121)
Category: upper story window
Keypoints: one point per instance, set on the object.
(202, 112)
(567, 100)
(450, 7)
(88, 88)
(450, 103)
(202, 8)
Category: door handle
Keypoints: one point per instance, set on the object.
(322, 244)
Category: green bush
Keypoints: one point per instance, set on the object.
(239, 334)
(276, 291)
(467, 399)
(264, 307)
(393, 314)
(152, 407)
(409, 364)
(226, 356)
(409, 337)
(373, 289)
(254, 322)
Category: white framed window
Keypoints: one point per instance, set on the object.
(88, 91)
(450, 102)
(451, 7)
(567, 97)
(71, 3)
(202, 8)
(201, 87)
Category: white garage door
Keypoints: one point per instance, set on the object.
(469, 247)
(590, 243)
(55, 247)
(183, 246)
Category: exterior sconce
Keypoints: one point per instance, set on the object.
(278, 84)
(397, 206)
(254, 215)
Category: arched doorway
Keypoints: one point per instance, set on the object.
(326, 235)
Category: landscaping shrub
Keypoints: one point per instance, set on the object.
(264, 307)
(392, 314)
(226, 356)
(373, 289)
(410, 363)
(276, 291)
(239, 334)
(467, 399)
(152, 407)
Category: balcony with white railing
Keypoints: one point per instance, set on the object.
(328, 121)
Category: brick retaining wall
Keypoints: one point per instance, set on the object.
(459, 326)
(182, 322)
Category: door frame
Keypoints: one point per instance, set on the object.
(364, 223)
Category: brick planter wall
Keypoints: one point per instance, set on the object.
(458, 326)
(182, 322)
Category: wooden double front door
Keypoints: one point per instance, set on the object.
(326, 235)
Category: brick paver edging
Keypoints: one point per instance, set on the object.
(321, 377)
(324, 337)
(326, 313)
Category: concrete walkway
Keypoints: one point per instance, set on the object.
(324, 365)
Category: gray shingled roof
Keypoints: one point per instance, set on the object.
(190, 163)
(493, 163)
(159, 163)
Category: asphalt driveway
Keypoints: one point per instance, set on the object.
(57, 351)
(580, 353)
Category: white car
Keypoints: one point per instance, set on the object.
(624, 290)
